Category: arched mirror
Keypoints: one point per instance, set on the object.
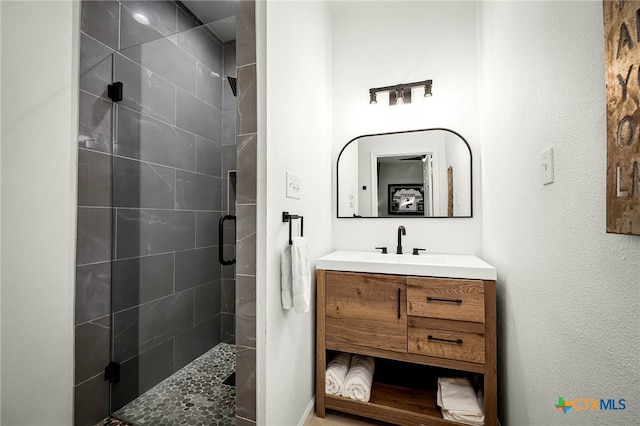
(418, 173)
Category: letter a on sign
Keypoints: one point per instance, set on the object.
(622, 57)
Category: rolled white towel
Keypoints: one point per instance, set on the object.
(336, 372)
(357, 384)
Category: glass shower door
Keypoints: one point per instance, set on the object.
(168, 195)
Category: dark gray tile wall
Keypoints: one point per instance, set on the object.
(147, 139)
(196, 267)
(167, 60)
(228, 152)
(139, 329)
(94, 231)
(93, 288)
(148, 284)
(142, 372)
(95, 122)
(246, 130)
(91, 401)
(141, 279)
(198, 117)
(95, 66)
(208, 157)
(246, 383)
(146, 92)
(91, 338)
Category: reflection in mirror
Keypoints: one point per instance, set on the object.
(420, 173)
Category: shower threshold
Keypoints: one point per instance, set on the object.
(195, 395)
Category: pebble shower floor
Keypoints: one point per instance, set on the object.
(195, 395)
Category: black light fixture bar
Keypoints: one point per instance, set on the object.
(402, 91)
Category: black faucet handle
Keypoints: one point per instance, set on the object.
(384, 249)
(417, 250)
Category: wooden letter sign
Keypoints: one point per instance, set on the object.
(622, 60)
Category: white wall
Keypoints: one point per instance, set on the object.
(384, 43)
(568, 293)
(298, 140)
(0, 219)
(39, 128)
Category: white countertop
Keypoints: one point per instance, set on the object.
(426, 265)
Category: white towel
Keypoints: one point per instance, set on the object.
(286, 280)
(301, 275)
(357, 384)
(459, 401)
(336, 372)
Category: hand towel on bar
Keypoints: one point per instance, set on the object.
(336, 372)
(286, 280)
(357, 384)
(301, 275)
(459, 401)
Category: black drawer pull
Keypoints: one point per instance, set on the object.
(435, 299)
(399, 290)
(457, 341)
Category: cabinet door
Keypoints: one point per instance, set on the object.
(367, 310)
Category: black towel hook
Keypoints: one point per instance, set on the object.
(286, 217)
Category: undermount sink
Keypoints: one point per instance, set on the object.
(426, 265)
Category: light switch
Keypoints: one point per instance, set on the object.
(546, 160)
(294, 188)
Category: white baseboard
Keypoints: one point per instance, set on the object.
(308, 413)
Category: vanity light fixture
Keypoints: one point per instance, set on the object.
(400, 93)
(427, 89)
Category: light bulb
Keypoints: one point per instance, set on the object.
(141, 18)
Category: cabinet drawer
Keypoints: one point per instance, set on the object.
(446, 344)
(454, 299)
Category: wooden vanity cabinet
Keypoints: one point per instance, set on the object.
(438, 322)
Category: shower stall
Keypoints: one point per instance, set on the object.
(156, 202)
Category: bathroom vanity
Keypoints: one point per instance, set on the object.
(421, 317)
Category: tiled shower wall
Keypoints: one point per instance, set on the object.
(247, 127)
(152, 201)
(229, 165)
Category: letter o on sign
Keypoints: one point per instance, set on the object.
(626, 131)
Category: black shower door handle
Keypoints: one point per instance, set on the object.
(221, 240)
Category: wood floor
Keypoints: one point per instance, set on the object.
(335, 418)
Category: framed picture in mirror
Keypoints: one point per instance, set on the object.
(406, 199)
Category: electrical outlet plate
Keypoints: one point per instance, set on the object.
(546, 163)
(294, 188)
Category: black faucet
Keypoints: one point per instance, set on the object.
(401, 232)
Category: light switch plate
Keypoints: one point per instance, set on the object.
(546, 164)
(294, 188)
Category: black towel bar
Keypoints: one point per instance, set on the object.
(286, 217)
